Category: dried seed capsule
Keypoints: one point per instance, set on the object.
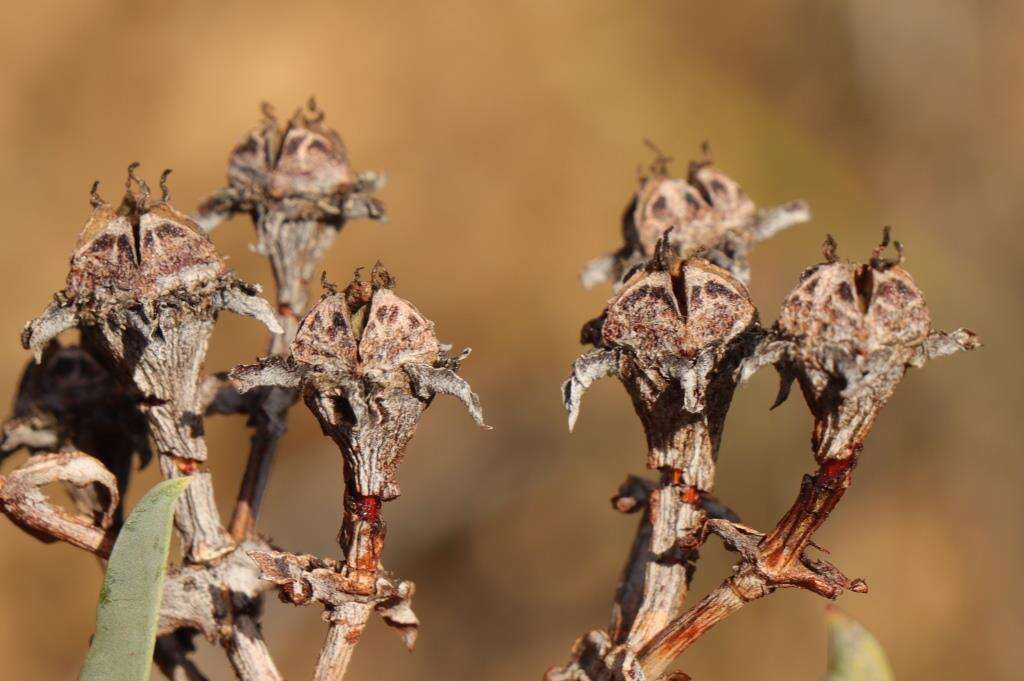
(297, 184)
(711, 215)
(848, 332)
(368, 363)
(674, 334)
(145, 287)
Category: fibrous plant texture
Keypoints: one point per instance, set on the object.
(144, 289)
(367, 364)
(716, 219)
(295, 182)
(681, 333)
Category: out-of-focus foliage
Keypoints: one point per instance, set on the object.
(853, 653)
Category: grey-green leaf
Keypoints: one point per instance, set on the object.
(853, 653)
(126, 617)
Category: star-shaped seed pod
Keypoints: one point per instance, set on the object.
(674, 334)
(711, 215)
(847, 333)
(69, 402)
(297, 184)
(367, 363)
(145, 287)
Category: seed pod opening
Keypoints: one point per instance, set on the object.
(852, 331)
(296, 183)
(707, 214)
(368, 363)
(675, 334)
(305, 158)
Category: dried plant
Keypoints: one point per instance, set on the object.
(717, 220)
(295, 182)
(144, 288)
(681, 334)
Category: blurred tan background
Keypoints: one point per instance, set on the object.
(511, 133)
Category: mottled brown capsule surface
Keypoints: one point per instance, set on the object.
(862, 307)
(145, 287)
(677, 312)
(304, 158)
(674, 334)
(140, 251)
(707, 214)
(368, 363)
(848, 332)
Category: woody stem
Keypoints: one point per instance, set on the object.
(776, 560)
(362, 541)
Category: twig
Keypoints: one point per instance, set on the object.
(767, 563)
(367, 364)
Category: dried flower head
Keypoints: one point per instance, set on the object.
(145, 288)
(674, 334)
(711, 215)
(296, 182)
(848, 332)
(368, 364)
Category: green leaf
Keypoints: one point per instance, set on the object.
(853, 653)
(126, 618)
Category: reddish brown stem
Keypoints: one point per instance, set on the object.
(768, 562)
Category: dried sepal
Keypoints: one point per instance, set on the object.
(428, 381)
(941, 344)
(367, 363)
(244, 300)
(709, 216)
(588, 368)
(847, 333)
(274, 371)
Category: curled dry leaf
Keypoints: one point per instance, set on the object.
(23, 502)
